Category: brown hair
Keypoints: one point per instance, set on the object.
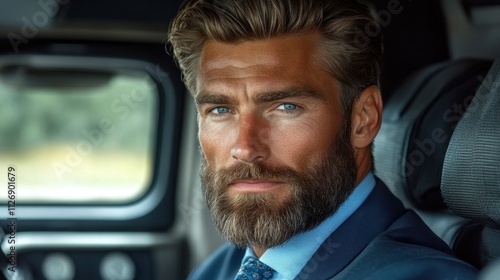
(351, 49)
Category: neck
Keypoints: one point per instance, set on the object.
(258, 251)
(364, 165)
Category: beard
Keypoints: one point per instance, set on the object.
(266, 220)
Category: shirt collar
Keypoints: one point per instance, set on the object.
(289, 258)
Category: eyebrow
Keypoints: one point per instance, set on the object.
(300, 92)
(209, 98)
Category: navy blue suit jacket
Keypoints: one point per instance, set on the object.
(381, 240)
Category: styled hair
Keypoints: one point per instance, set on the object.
(350, 50)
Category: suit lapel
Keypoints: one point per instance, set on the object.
(374, 216)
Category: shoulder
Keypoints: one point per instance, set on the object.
(408, 250)
(222, 264)
(382, 240)
(406, 261)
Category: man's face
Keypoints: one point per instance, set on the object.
(277, 159)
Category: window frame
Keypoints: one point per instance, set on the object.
(156, 208)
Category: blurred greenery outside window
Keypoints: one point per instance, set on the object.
(76, 137)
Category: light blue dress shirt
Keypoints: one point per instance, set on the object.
(289, 258)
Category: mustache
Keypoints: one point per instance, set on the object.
(253, 171)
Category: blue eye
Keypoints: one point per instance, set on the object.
(287, 106)
(220, 110)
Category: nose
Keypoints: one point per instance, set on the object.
(251, 143)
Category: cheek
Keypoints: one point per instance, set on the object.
(214, 143)
(303, 144)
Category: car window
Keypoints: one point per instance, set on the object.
(76, 136)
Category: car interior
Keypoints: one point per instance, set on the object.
(99, 154)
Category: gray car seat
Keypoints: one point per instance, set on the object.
(410, 149)
(471, 172)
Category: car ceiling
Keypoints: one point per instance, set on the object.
(145, 11)
(90, 18)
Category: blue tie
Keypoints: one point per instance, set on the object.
(254, 269)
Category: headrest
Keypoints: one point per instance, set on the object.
(417, 124)
(471, 171)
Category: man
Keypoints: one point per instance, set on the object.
(288, 106)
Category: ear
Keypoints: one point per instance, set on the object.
(366, 117)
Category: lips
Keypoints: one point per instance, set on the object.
(254, 185)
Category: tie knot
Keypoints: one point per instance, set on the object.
(254, 269)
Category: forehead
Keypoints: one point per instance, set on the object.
(286, 57)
